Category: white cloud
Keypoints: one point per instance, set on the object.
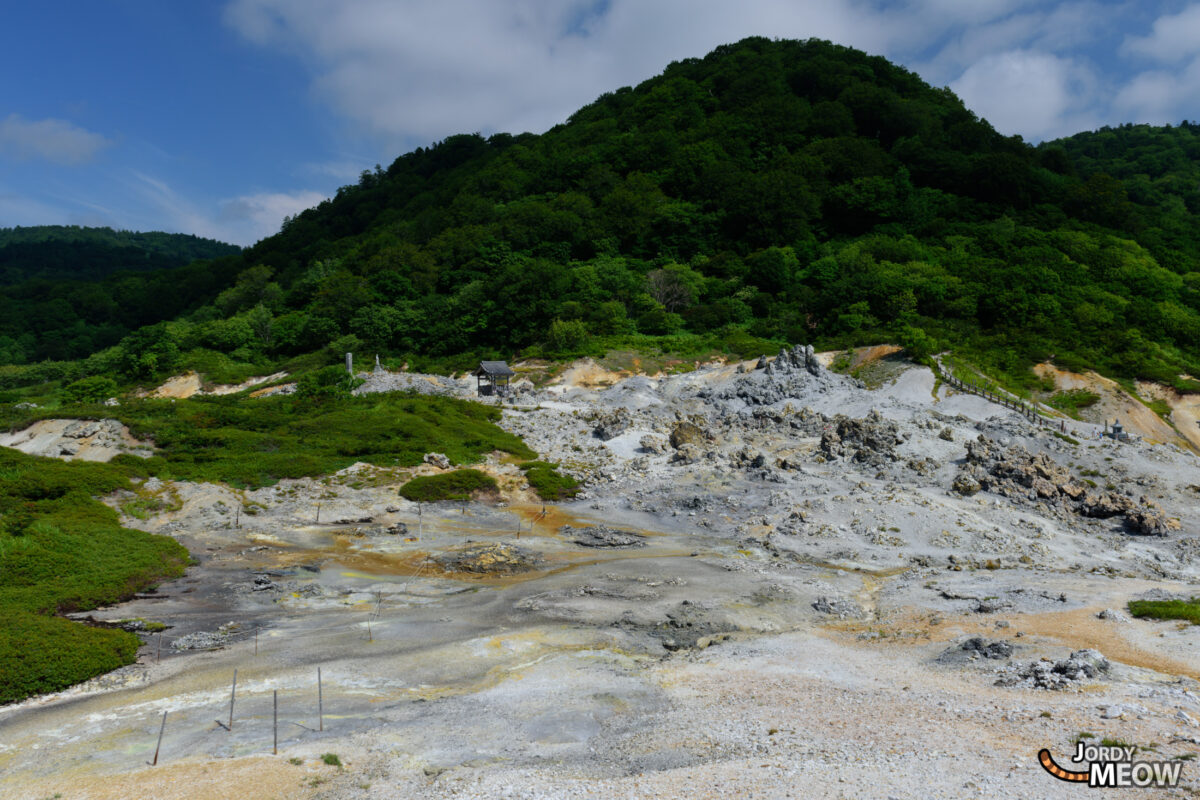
(1037, 95)
(1161, 97)
(1174, 37)
(411, 72)
(1057, 30)
(54, 140)
(407, 72)
(241, 220)
(417, 71)
(260, 215)
(347, 170)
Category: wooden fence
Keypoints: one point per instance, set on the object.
(1021, 407)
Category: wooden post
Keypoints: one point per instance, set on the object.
(320, 703)
(318, 514)
(158, 652)
(370, 637)
(256, 642)
(161, 728)
(232, 693)
(237, 516)
(275, 724)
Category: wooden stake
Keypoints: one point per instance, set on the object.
(275, 723)
(158, 652)
(370, 637)
(320, 704)
(237, 516)
(318, 514)
(161, 728)
(232, 693)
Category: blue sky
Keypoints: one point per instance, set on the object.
(218, 118)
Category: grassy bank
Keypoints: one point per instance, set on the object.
(63, 550)
(258, 442)
(1188, 610)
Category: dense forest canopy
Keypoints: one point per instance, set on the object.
(771, 191)
(108, 251)
(68, 291)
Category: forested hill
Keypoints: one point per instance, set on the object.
(771, 191)
(68, 291)
(1159, 173)
(62, 252)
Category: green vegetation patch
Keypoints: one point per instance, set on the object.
(1070, 402)
(1188, 610)
(457, 485)
(257, 443)
(62, 550)
(548, 482)
(1160, 407)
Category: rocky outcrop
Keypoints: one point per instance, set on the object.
(82, 439)
(438, 460)
(1102, 505)
(1149, 519)
(871, 440)
(602, 536)
(611, 424)
(690, 626)
(653, 443)
(838, 606)
(687, 454)
(1080, 666)
(966, 484)
(748, 458)
(793, 374)
(687, 433)
(800, 357)
(489, 559)
(1014, 472)
(1016, 466)
(975, 648)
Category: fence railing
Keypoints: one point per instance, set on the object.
(1020, 406)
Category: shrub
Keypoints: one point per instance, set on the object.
(548, 482)
(919, 344)
(60, 549)
(457, 485)
(1072, 401)
(567, 335)
(95, 389)
(329, 383)
(1188, 610)
(257, 443)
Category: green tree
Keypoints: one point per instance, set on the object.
(93, 389)
(567, 335)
